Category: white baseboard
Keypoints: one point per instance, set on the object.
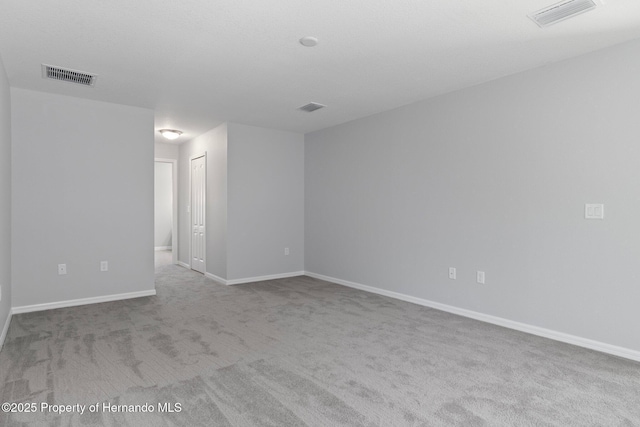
(5, 329)
(523, 327)
(216, 278)
(82, 301)
(163, 248)
(184, 264)
(261, 278)
(253, 279)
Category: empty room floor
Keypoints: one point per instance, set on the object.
(296, 352)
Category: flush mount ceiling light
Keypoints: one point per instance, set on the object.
(561, 11)
(309, 41)
(170, 133)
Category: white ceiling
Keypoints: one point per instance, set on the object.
(198, 63)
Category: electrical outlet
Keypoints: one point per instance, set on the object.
(452, 273)
(480, 277)
(104, 265)
(286, 251)
(62, 269)
(594, 211)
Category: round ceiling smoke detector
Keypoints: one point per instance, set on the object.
(308, 41)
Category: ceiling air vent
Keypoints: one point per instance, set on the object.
(561, 11)
(66, 75)
(312, 106)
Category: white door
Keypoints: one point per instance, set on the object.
(198, 191)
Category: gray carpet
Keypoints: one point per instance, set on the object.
(301, 351)
(163, 258)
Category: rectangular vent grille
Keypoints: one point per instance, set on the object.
(561, 11)
(312, 106)
(66, 75)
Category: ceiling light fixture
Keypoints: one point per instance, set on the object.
(170, 133)
(309, 41)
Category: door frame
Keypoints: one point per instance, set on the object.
(190, 211)
(174, 205)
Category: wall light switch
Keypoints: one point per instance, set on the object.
(62, 269)
(480, 277)
(452, 273)
(594, 211)
(286, 251)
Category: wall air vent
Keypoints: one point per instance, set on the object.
(561, 11)
(70, 76)
(312, 106)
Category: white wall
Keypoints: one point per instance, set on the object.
(5, 199)
(80, 196)
(166, 151)
(255, 200)
(266, 201)
(214, 143)
(494, 178)
(163, 201)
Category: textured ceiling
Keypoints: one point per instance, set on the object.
(198, 63)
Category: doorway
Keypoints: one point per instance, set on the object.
(198, 195)
(165, 212)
